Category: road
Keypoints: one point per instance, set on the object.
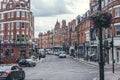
(54, 68)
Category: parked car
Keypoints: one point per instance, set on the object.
(43, 54)
(62, 55)
(11, 72)
(27, 63)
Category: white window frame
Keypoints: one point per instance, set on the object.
(117, 30)
(23, 25)
(4, 6)
(12, 14)
(8, 14)
(23, 14)
(8, 26)
(17, 25)
(1, 37)
(18, 14)
(2, 15)
(10, 6)
(117, 12)
(12, 25)
(1, 26)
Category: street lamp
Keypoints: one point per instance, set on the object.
(101, 60)
(112, 46)
(87, 52)
(0, 51)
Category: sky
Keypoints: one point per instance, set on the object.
(47, 12)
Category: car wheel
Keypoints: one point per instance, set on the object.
(10, 77)
(23, 76)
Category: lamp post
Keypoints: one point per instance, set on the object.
(0, 51)
(113, 61)
(101, 61)
(87, 52)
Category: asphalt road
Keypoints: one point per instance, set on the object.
(54, 68)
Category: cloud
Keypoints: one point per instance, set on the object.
(43, 8)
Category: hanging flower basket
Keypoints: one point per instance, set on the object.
(101, 19)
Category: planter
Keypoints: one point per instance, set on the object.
(101, 19)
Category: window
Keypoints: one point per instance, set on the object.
(27, 25)
(18, 13)
(17, 25)
(23, 14)
(106, 2)
(10, 6)
(23, 25)
(103, 4)
(1, 26)
(1, 37)
(4, 6)
(8, 26)
(117, 12)
(8, 15)
(22, 37)
(18, 37)
(2, 16)
(117, 27)
(27, 15)
(12, 14)
(12, 26)
(27, 38)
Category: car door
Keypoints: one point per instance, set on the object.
(21, 73)
(14, 71)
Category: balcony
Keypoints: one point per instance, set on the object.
(22, 42)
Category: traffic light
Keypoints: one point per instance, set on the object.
(111, 44)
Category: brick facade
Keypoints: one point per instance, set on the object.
(16, 28)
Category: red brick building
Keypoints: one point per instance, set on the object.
(16, 29)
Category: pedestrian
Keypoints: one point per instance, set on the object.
(39, 56)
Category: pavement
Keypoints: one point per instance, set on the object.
(108, 75)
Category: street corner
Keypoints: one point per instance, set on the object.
(112, 76)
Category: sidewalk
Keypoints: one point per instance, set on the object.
(108, 75)
(96, 63)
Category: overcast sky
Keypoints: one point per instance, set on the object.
(47, 12)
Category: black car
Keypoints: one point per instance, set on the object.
(27, 63)
(11, 72)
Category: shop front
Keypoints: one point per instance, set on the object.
(81, 50)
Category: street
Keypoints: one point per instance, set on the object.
(54, 68)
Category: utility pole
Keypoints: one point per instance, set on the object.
(101, 60)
